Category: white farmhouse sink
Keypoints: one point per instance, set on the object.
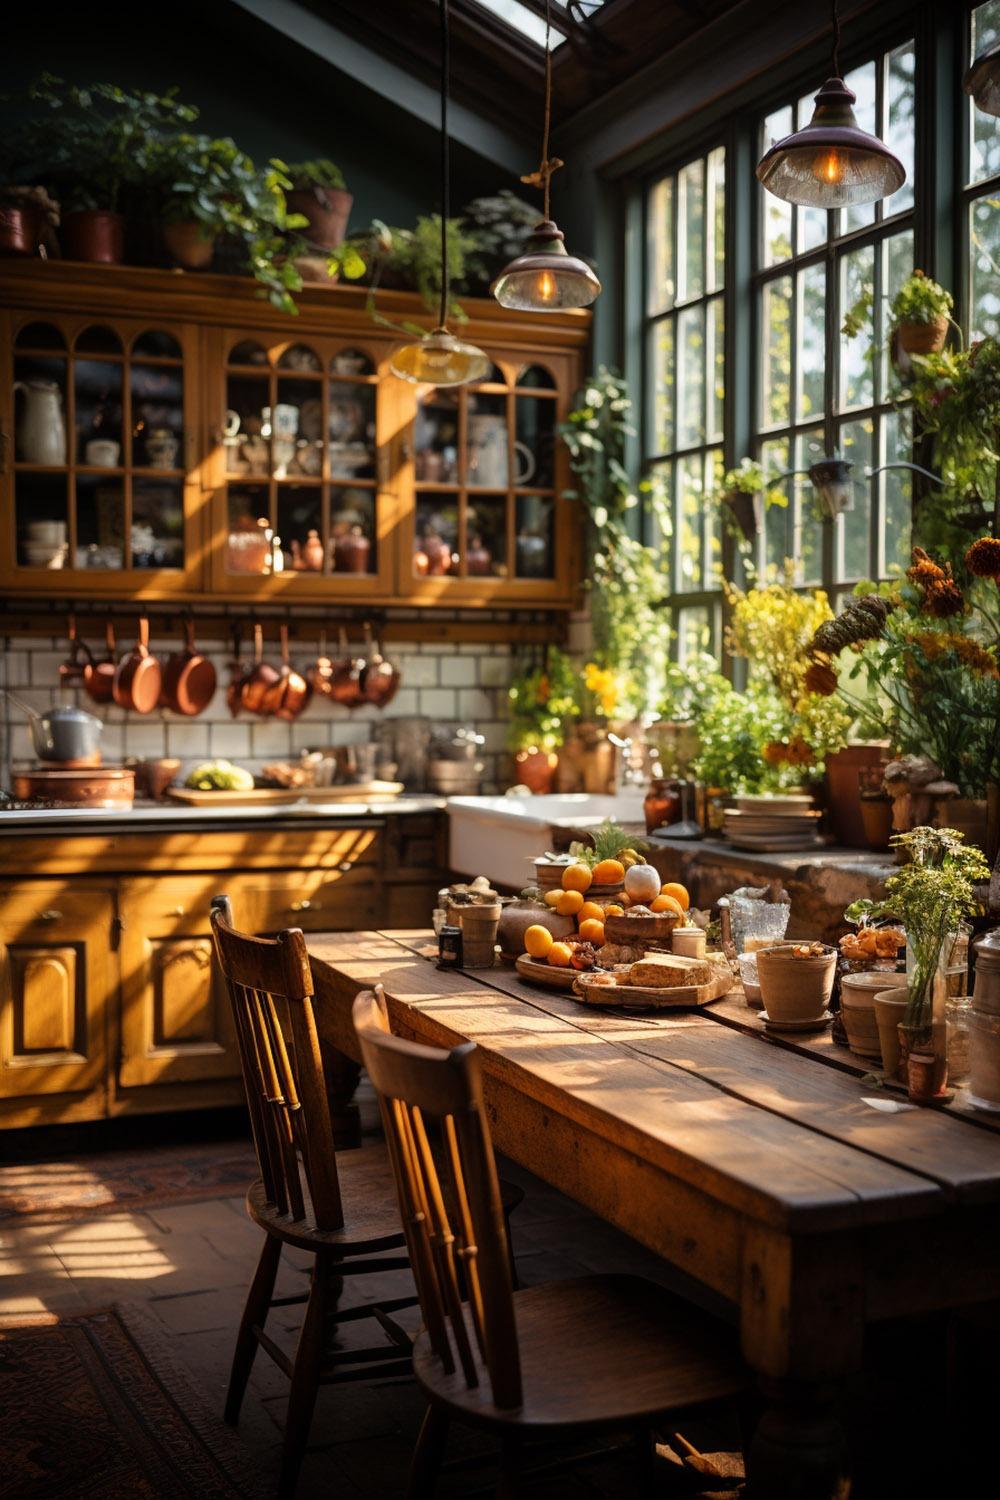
(499, 836)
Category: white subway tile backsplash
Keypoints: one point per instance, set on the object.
(45, 668)
(458, 671)
(229, 741)
(188, 739)
(439, 703)
(418, 671)
(495, 671)
(271, 737)
(17, 669)
(145, 738)
(474, 704)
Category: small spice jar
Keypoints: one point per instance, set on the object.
(450, 955)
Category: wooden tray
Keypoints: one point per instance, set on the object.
(642, 997)
(280, 796)
(534, 971)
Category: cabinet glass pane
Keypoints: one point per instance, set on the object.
(534, 445)
(40, 410)
(157, 416)
(352, 531)
(486, 530)
(248, 352)
(300, 528)
(293, 454)
(487, 458)
(248, 545)
(100, 522)
(39, 336)
(155, 343)
(351, 362)
(247, 450)
(157, 522)
(435, 548)
(98, 340)
(97, 385)
(300, 357)
(535, 519)
(42, 520)
(536, 378)
(436, 439)
(352, 431)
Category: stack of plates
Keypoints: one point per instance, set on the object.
(773, 823)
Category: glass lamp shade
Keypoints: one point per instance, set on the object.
(982, 81)
(544, 277)
(439, 358)
(831, 162)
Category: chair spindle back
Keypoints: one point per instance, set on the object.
(449, 1199)
(270, 989)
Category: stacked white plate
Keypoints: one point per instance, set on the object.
(762, 824)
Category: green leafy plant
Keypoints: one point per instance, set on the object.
(857, 318)
(320, 174)
(410, 259)
(626, 579)
(542, 702)
(496, 227)
(920, 300)
(734, 729)
(931, 895)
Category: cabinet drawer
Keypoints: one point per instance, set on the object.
(315, 900)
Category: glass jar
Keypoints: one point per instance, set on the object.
(957, 1010)
(662, 803)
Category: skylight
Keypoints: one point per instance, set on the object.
(526, 21)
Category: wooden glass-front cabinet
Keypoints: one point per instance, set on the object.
(167, 435)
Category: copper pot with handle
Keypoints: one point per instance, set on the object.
(77, 669)
(100, 685)
(290, 694)
(138, 676)
(259, 679)
(188, 678)
(345, 684)
(320, 674)
(380, 679)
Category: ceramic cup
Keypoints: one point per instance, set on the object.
(102, 453)
(282, 421)
(47, 533)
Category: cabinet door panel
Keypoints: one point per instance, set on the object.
(176, 1024)
(56, 980)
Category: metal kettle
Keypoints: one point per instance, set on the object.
(64, 733)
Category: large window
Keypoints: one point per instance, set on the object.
(685, 382)
(819, 391)
(982, 191)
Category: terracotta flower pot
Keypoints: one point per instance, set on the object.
(925, 1082)
(843, 796)
(857, 1006)
(535, 769)
(327, 209)
(188, 244)
(876, 819)
(20, 227)
(889, 1007)
(970, 815)
(922, 338)
(795, 989)
(92, 235)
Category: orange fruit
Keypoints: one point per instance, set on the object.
(624, 900)
(591, 909)
(678, 891)
(537, 941)
(577, 878)
(592, 931)
(559, 955)
(612, 910)
(553, 898)
(666, 903)
(569, 903)
(609, 872)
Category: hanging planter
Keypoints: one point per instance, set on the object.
(742, 495)
(919, 315)
(921, 338)
(831, 478)
(746, 511)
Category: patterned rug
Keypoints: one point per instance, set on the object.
(117, 1180)
(91, 1406)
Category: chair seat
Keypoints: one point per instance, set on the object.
(601, 1350)
(371, 1207)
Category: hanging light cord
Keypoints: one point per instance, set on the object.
(835, 22)
(548, 165)
(445, 170)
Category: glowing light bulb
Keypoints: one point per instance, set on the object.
(546, 287)
(829, 167)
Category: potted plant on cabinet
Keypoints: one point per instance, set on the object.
(931, 895)
(28, 219)
(198, 183)
(318, 192)
(919, 315)
(542, 704)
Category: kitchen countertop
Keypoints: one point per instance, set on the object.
(151, 816)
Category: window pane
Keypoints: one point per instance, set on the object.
(691, 498)
(694, 632)
(856, 354)
(900, 123)
(691, 376)
(661, 377)
(716, 225)
(716, 367)
(777, 351)
(774, 460)
(812, 342)
(810, 223)
(862, 81)
(660, 246)
(984, 158)
(714, 470)
(806, 521)
(691, 231)
(897, 265)
(776, 215)
(984, 250)
(897, 491)
(854, 526)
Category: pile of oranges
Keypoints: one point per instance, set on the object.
(570, 901)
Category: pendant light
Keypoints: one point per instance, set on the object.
(441, 358)
(982, 80)
(545, 277)
(832, 162)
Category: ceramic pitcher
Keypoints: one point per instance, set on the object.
(41, 429)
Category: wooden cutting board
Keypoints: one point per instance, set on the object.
(278, 796)
(642, 997)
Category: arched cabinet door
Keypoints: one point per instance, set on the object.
(56, 974)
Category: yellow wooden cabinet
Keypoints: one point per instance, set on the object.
(168, 435)
(57, 980)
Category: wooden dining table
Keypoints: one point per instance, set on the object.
(777, 1172)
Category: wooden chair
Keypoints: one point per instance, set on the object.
(340, 1207)
(602, 1352)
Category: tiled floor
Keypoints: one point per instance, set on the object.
(189, 1267)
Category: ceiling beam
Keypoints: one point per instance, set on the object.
(399, 87)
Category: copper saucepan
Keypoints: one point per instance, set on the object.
(100, 685)
(77, 669)
(320, 674)
(235, 689)
(138, 676)
(287, 697)
(345, 684)
(188, 678)
(259, 679)
(380, 679)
